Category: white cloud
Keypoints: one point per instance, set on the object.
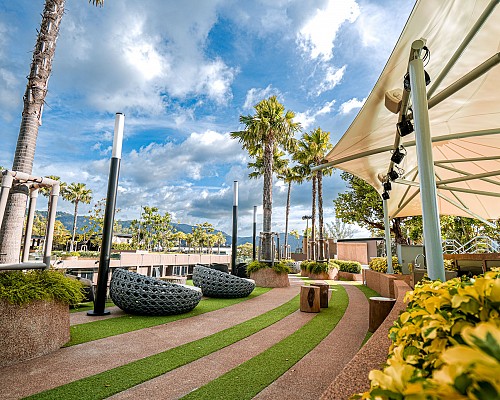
(308, 118)
(255, 95)
(349, 105)
(318, 35)
(333, 77)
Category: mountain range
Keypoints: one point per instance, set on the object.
(67, 220)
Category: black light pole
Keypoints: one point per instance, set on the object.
(109, 213)
(234, 239)
(254, 235)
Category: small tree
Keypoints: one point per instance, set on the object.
(76, 193)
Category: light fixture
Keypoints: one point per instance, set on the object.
(405, 127)
(393, 175)
(398, 155)
(407, 83)
(385, 196)
(387, 186)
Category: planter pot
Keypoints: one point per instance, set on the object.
(332, 274)
(304, 273)
(32, 330)
(267, 277)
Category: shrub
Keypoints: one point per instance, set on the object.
(90, 254)
(379, 264)
(354, 267)
(450, 265)
(446, 344)
(280, 268)
(315, 267)
(122, 246)
(20, 288)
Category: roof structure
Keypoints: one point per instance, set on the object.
(463, 39)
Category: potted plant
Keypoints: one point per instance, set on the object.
(269, 275)
(35, 313)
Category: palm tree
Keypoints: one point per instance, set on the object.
(289, 175)
(34, 98)
(77, 193)
(271, 127)
(313, 148)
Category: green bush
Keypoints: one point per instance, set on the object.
(122, 246)
(280, 268)
(354, 267)
(20, 288)
(446, 345)
(315, 267)
(379, 264)
(90, 254)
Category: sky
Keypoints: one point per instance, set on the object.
(183, 73)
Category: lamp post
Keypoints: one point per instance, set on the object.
(254, 234)
(109, 214)
(234, 239)
(307, 218)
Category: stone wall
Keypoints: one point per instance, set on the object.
(32, 330)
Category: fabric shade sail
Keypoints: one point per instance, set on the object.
(465, 126)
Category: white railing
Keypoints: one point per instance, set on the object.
(477, 245)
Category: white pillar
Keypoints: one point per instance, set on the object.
(428, 192)
(387, 230)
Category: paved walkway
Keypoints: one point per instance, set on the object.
(76, 362)
(305, 380)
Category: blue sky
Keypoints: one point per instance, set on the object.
(183, 73)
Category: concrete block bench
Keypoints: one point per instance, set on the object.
(142, 295)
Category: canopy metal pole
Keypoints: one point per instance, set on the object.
(428, 192)
(387, 230)
(29, 224)
(51, 222)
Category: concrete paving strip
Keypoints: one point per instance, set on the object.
(76, 362)
(312, 375)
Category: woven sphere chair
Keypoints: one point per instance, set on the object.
(142, 295)
(219, 284)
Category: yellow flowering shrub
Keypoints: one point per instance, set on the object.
(446, 345)
(379, 264)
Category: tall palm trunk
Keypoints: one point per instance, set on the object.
(313, 220)
(321, 252)
(36, 90)
(71, 247)
(287, 213)
(267, 200)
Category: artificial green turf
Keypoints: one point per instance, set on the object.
(248, 379)
(121, 378)
(368, 292)
(368, 336)
(83, 333)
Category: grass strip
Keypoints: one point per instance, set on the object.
(94, 330)
(115, 380)
(251, 377)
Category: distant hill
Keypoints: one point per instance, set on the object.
(67, 220)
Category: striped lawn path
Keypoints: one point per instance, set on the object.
(76, 362)
(185, 379)
(254, 375)
(312, 375)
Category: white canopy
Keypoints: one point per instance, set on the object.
(465, 127)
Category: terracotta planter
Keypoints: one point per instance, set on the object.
(350, 276)
(32, 330)
(332, 274)
(267, 277)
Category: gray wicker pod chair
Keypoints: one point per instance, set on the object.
(219, 284)
(141, 295)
